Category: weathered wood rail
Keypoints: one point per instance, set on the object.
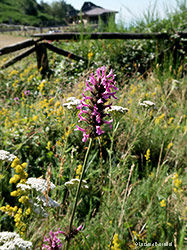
(41, 45)
(108, 35)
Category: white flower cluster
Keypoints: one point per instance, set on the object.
(71, 102)
(38, 209)
(24, 186)
(6, 156)
(47, 202)
(74, 182)
(118, 109)
(147, 104)
(40, 185)
(12, 241)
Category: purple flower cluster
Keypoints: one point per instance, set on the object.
(27, 92)
(54, 243)
(92, 107)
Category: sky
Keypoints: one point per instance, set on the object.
(128, 9)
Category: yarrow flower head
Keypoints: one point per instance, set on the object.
(38, 184)
(12, 241)
(6, 156)
(147, 104)
(71, 103)
(74, 182)
(117, 109)
(93, 106)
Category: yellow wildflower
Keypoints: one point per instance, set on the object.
(151, 174)
(24, 165)
(147, 155)
(116, 243)
(90, 55)
(15, 208)
(14, 193)
(14, 179)
(51, 100)
(175, 190)
(159, 118)
(41, 86)
(18, 169)
(21, 76)
(28, 211)
(15, 162)
(78, 171)
(57, 104)
(170, 120)
(48, 145)
(177, 183)
(13, 72)
(17, 218)
(23, 199)
(3, 209)
(35, 118)
(170, 145)
(163, 203)
(30, 78)
(133, 90)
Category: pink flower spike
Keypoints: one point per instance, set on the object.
(79, 228)
(110, 74)
(81, 129)
(99, 101)
(85, 137)
(87, 97)
(109, 123)
(99, 131)
(102, 88)
(81, 118)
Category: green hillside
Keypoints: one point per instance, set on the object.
(29, 12)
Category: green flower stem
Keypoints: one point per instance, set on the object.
(110, 151)
(78, 191)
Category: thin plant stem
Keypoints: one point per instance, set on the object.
(78, 191)
(116, 125)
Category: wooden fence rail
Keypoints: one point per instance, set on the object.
(108, 35)
(17, 46)
(40, 46)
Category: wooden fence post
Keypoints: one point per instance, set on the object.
(42, 60)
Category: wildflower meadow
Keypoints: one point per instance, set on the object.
(95, 155)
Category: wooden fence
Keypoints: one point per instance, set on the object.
(41, 44)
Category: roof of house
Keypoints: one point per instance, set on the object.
(90, 9)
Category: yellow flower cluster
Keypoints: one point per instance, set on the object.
(21, 175)
(163, 203)
(159, 118)
(48, 145)
(116, 243)
(90, 55)
(177, 183)
(9, 210)
(78, 171)
(147, 155)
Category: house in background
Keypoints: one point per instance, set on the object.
(91, 13)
